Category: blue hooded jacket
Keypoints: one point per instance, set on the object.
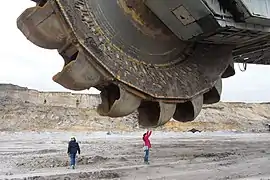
(73, 147)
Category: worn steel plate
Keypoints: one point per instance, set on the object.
(183, 15)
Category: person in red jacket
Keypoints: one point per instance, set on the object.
(147, 146)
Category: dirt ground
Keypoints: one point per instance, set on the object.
(218, 155)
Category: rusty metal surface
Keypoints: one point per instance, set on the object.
(125, 51)
(167, 81)
(184, 27)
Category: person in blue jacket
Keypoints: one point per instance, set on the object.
(73, 148)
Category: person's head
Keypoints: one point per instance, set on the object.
(144, 136)
(73, 138)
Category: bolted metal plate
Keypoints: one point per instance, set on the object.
(183, 15)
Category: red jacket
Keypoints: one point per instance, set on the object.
(146, 139)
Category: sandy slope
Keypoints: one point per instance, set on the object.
(21, 109)
(17, 116)
(174, 156)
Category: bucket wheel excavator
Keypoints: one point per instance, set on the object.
(161, 58)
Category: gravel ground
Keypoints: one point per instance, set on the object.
(218, 155)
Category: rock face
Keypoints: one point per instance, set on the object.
(63, 99)
(27, 109)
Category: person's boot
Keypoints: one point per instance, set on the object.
(72, 167)
(146, 162)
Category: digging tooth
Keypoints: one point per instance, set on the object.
(213, 96)
(230, 71)
(154, 114)
(189, 110)
(79, 74)
(117, 102)
(43, 27)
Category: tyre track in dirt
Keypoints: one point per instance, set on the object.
(191, 157)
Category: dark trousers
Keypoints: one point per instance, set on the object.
(72, 159)
(146, 155)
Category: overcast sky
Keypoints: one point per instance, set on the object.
(25, 64)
